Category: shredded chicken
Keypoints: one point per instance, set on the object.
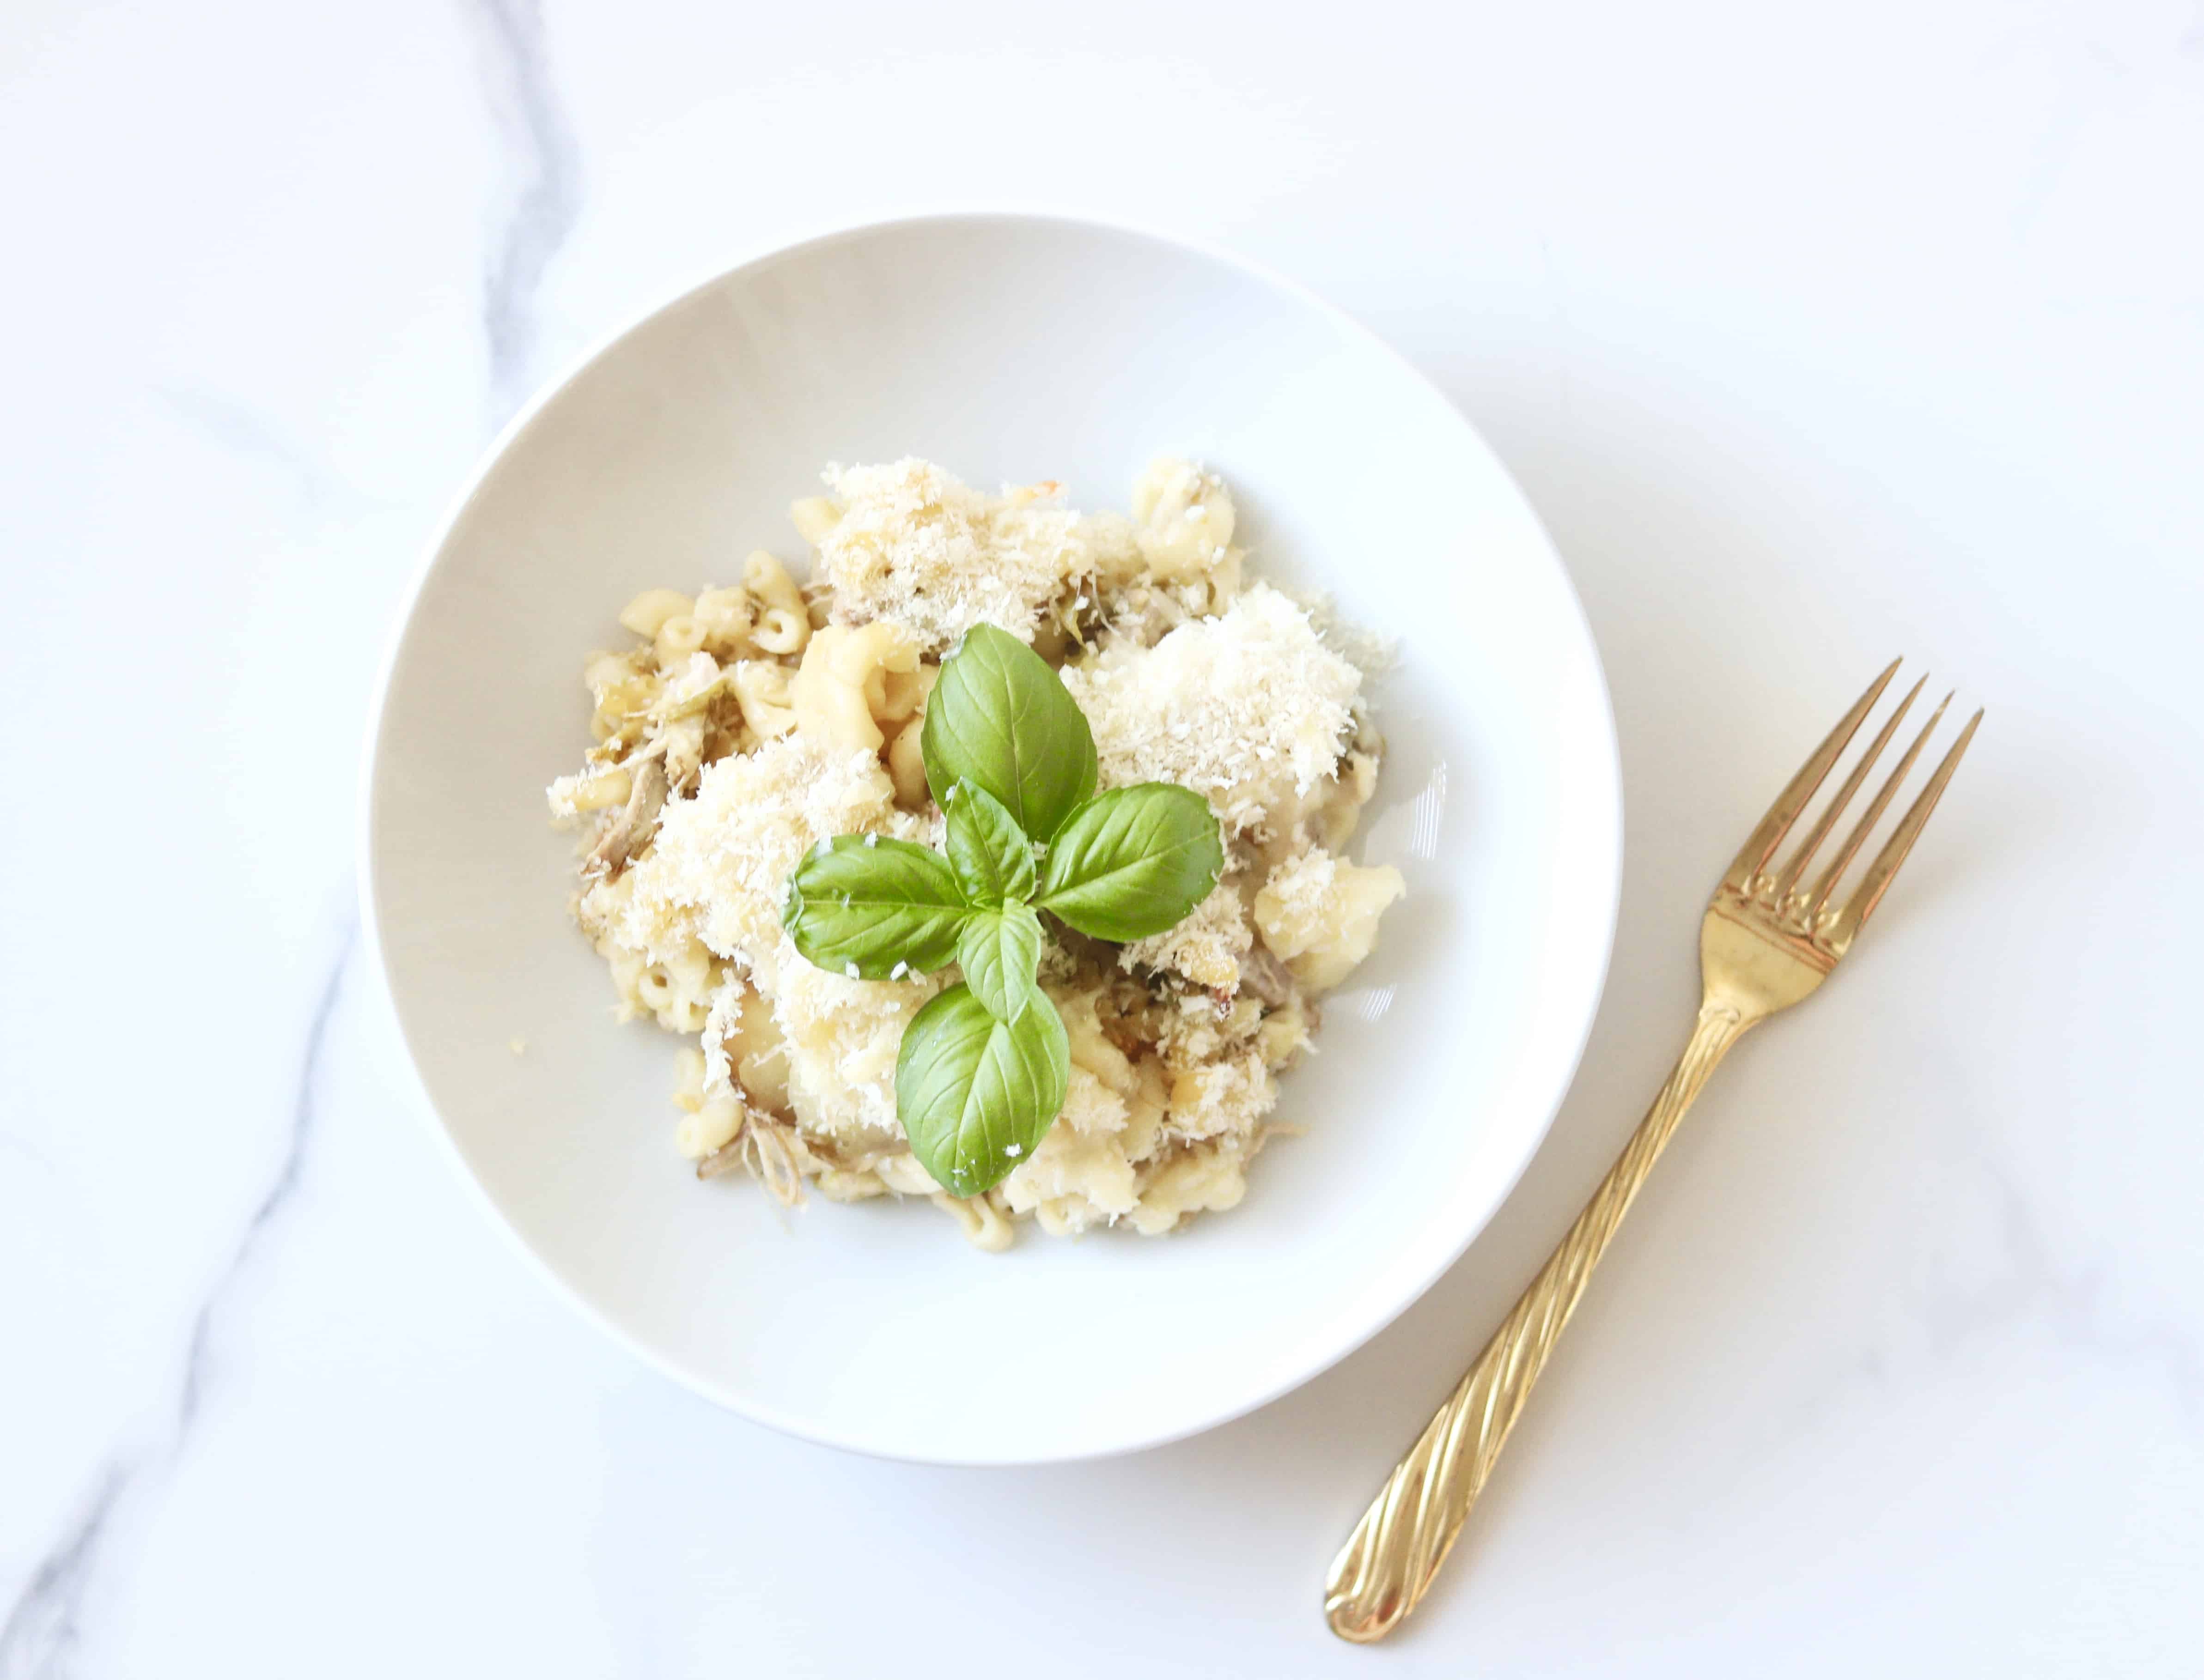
(1264, 977)
(639, 819)
(770, 1150)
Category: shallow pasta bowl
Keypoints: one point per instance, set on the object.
(1011, 349)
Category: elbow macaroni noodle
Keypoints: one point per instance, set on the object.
(784, 715)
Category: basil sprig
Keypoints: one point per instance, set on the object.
(984, 1066)
(867, 904)
(1131, 862)
(991, 857)
(999, 952)
(1002, 720)
(981, 1092)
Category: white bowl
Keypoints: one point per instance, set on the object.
(1009, 349)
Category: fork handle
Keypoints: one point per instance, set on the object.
(1386, 1566)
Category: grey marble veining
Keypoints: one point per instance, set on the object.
(38, 1639)
(540, 199)
(2034, 1277)
(537, 203)
(244, 431)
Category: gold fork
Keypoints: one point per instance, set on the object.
(1766, 942)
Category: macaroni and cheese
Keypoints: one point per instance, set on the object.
(747, 722)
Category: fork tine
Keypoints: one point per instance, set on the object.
(1894, 853)
(1793, 800)
(1888, 791)
(1827, 819)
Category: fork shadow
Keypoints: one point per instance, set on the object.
(1659, 559)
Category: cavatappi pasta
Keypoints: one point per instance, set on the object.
(749, 721)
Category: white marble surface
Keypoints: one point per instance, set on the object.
(1815, 333)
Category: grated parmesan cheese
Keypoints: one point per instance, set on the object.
(1221, 1098)
(841, 1036)
(1079, 1176)
(717, 871)
(1206, 947)
(1248, 708)
(723, 1020)
(916, 546)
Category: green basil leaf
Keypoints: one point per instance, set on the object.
(1132, 862)
(990, 852)
(975, 1095)
(874, 909)
(1000, 954)
(1002, 720)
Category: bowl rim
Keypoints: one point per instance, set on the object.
(756, 255)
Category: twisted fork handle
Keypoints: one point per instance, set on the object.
(1386, 1566)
